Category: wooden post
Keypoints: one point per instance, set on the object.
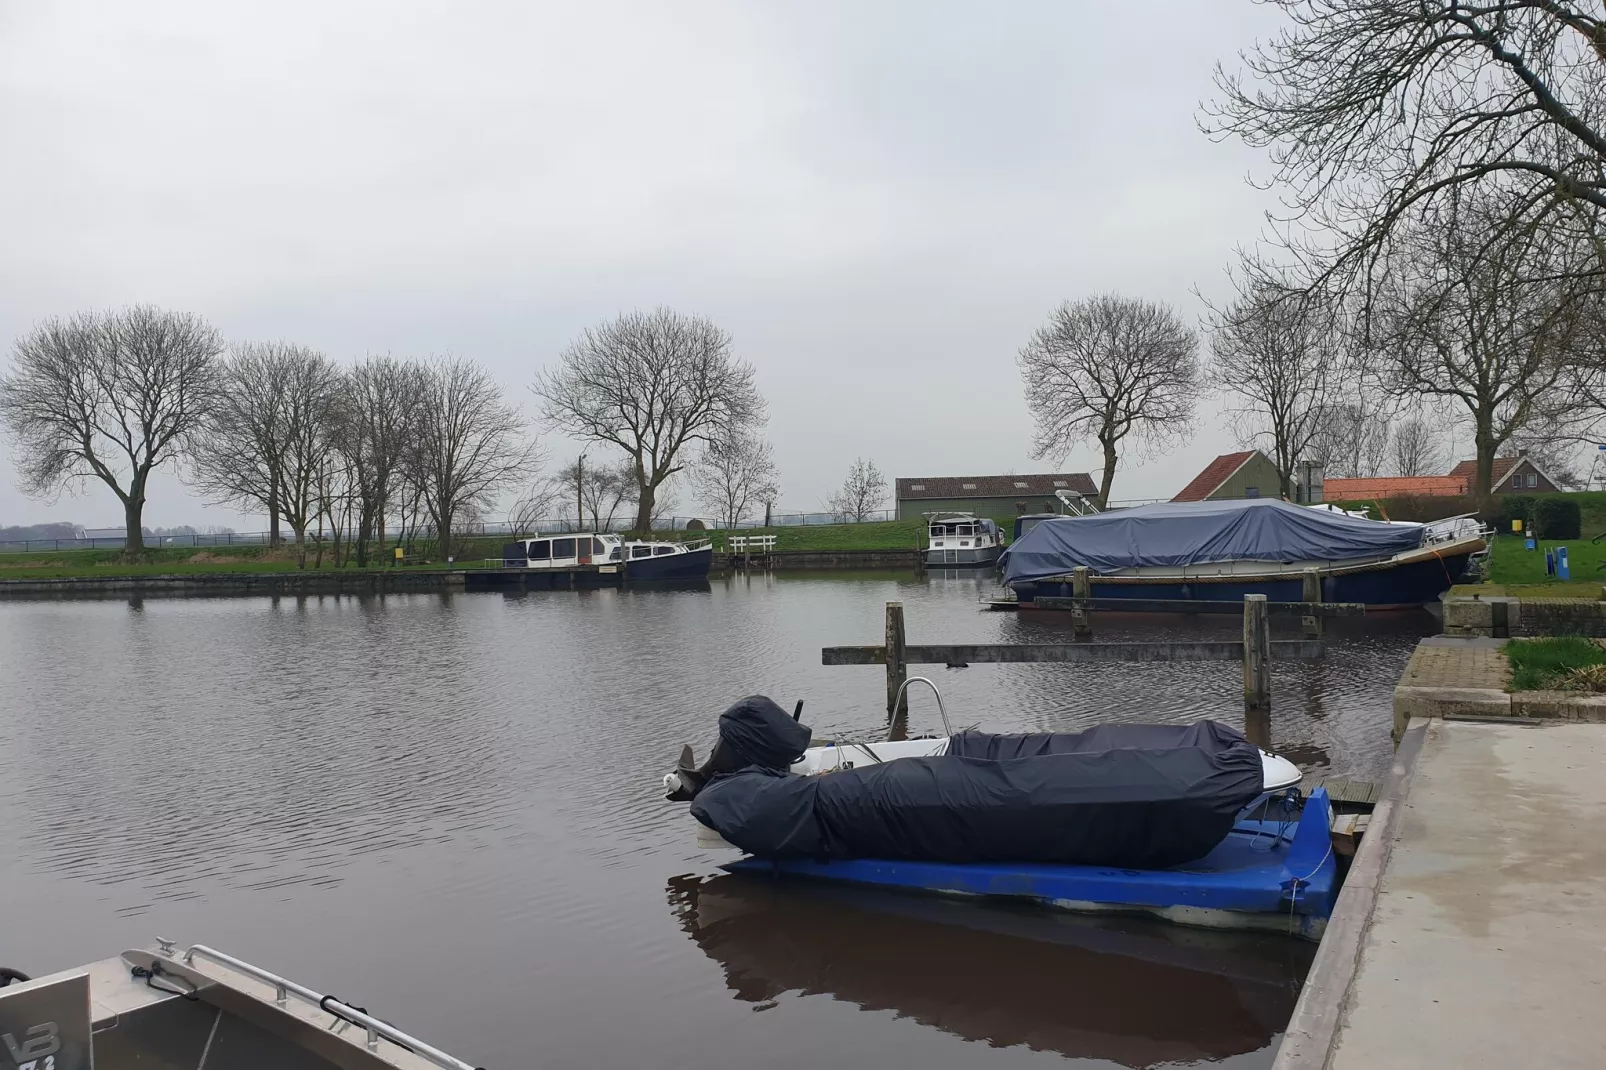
(897, 668)
(1312, 622)
(1257, 653)
(1081, 591)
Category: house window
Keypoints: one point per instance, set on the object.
(1251, 492)
(1020, 486)
(1533, 479)
(917, 486)
(1057, 483)
(967, 486)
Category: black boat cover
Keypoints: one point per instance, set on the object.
(1175, 534)
(755, 731)
(1134, 796)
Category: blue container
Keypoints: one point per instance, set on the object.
(1563, 568)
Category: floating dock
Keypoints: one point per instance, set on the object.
(1471, 930)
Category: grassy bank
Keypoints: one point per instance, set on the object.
(469, 552)
(1568, 662)
(1520, 572)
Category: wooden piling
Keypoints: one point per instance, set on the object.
(1312, 622)
(1081, 591)
(897, 667)
(1257, 653)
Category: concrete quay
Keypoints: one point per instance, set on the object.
(1471, 932)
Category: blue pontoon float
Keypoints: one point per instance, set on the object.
(1272, 873)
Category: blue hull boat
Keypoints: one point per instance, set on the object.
(1398, 585)
(1274, 871)
(1222, 551)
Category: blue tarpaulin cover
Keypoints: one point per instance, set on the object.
(1201, 533)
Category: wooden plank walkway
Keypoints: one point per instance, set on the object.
(1341, 790)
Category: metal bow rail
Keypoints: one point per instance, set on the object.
(285, 988)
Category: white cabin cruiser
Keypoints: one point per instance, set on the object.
(962, 540)
(636, 559)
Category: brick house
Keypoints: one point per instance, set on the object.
(1512, 475)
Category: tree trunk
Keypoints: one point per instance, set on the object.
(274, 538)
(301, 544)
(644, 507)
(1483, 438)
(133, 517)
(365, 524)
(443, 534)
(1108, 478)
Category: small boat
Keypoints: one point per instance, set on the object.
(962, 540)
(1189, 822)
(1222, 551)
(611, 556)
(193, 1010)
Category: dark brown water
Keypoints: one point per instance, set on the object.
(446, 808)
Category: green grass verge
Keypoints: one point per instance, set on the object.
(1520, 573)
(1544, 664)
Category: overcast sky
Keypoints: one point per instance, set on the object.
(881, 201)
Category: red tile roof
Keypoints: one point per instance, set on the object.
(1351, 490)
(1468, 470)
(1215, 474)
(916, 488)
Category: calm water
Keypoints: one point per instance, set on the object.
(446, 808)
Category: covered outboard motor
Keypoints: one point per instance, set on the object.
(754, 732)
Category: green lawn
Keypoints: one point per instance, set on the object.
(469, 552)
(1519, 572)
(1544, 664)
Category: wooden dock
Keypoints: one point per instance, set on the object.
(1255, 651)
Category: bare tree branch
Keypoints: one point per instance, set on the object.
(468, 445)
(1107, 367)
(650, 383)
(108, 396)
(735, 474)
(860, 494)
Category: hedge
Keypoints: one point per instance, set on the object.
(1556, 517)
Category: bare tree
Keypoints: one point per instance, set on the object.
(108, 396)
(735, 474)
(1109, 367)
(650, 383)
(265, 441)
(1382, 113)
(1280, 354)
(861, 493)
(597, 490)
(1352, 439)
(373, 427)
(469, 445)
(1493, 330)
(1418, 448)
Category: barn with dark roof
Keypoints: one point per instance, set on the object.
(993, 496)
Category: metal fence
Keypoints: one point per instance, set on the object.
(468, 531)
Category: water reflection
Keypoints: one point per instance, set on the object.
(1131, 992)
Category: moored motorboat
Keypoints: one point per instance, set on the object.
(1222, 551)
(605, 555)
(1189, 821)
(962, 540)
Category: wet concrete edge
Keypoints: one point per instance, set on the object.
(1313, 1029)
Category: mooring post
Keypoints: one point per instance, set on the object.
(1312, 621)
(897, 669)
(1081, 591)
(1257, 653)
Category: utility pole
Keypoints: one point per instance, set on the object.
(579, 493)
